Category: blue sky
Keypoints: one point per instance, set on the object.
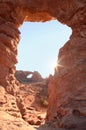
(39, 46)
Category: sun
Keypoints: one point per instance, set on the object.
(54, 64)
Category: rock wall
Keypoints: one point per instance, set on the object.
(10, 19)
(9, 38)
(67, 89)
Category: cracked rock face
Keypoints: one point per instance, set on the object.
(67, 88)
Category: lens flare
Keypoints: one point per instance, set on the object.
(59, 63)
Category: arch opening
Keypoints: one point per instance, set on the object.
(38, 54)
(39, 46)
(29, 76)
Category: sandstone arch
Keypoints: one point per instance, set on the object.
(68, 86)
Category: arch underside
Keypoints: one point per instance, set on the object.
(67, 88)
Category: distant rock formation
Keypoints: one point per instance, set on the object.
(22, 76)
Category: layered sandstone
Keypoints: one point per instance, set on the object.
(67, 89)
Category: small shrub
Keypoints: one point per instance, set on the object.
(44, 102)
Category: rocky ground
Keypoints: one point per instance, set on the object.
(33, 103)
(32, 97)
(26, 110)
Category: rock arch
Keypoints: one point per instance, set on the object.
(67, 89)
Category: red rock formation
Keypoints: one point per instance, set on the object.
(10, 116)
(67, 89)
(22, 76)
(36, 77)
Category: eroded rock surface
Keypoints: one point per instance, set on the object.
(67, 89)
(23, 76)
(10, 114)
